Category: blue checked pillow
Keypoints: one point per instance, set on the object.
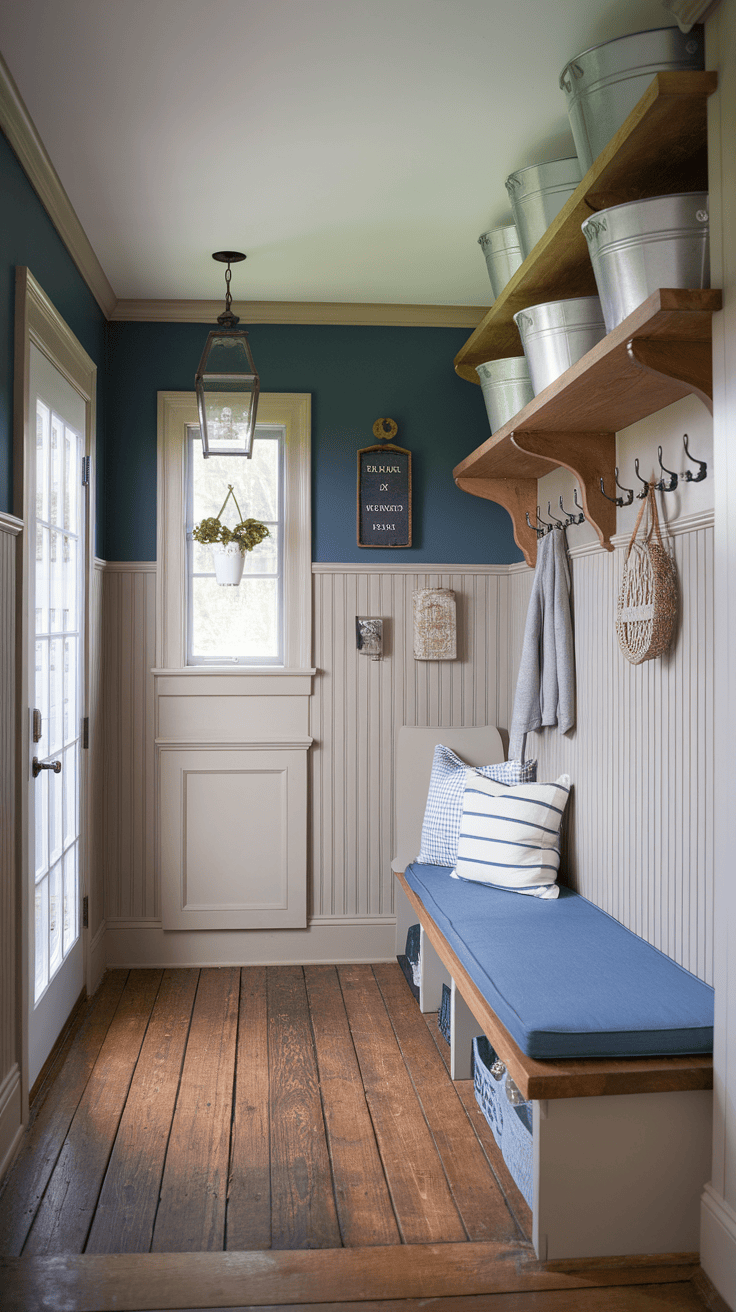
(441, 826)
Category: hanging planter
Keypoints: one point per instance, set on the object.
(229, 545)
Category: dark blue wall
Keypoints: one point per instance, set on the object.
(28, 237)
(355, 376)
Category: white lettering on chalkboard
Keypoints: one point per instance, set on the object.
(384, 510)
(385, 528)
(383, 469)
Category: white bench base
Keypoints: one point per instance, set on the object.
(613, 1175)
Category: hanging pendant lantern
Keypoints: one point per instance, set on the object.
(226, 382)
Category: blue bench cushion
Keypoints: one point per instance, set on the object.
(564, 977)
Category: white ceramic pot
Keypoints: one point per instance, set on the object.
(229, 561)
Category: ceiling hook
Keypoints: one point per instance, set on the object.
(688, 476)
(662, 486)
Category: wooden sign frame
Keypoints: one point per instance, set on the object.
(389, 493)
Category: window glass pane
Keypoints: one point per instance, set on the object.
(42, 692)
(43, 421)
(71, 581)
(243, 622)
(42, 938)
(57, 455)
(55, 919)
(56, 800)
(235, 622)
(69, 776)
(72, 479)
(42, 579)
(56, 691)
(71, 899)
(42, 824)
(56, 584)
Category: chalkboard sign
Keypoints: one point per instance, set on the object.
(384, 496)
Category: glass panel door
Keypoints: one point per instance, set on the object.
(56, 678)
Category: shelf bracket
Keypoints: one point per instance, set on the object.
(590, 457)
(690, 363)
(517, 495)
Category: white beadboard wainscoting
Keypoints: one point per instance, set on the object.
(639, 841)
(357, 707)
(640, 832)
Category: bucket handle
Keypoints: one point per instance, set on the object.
(525, 319)
(565, 82)
(593, 228)
(513, 181)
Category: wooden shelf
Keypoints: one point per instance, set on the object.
(661, 148)
(659, 354)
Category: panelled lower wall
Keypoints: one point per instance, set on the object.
(640, 831)
(357, 707)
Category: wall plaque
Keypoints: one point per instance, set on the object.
(384, 491)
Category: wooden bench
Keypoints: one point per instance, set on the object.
(613, 1175)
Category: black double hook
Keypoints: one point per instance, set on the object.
(688, 476)
(662, 486)
(573, 518)
(620, 501)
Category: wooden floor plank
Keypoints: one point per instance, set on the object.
(130, 1282)
(52, 1115)
(361, 1193)
(515, 1200)
(636, 1298)
(191, 1211)
(421, 1196)
(475, 1189)
(126, 1209)
(303, 1213)
(248, 1224)
(66, 1211)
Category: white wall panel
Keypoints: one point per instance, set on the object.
(129, 622)
(639, 832)
(359, 705)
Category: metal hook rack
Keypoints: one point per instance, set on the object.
(687, 475)
(619, 501)
(543, 526)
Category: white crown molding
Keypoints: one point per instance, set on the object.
(346, 567)
(342, 313)
(10, 524)
(21, 132)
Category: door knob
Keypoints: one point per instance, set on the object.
(37, 767)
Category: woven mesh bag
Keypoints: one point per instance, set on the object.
(648, 596)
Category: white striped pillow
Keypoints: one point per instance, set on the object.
(510, 836)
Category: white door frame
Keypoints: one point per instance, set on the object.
(38, 322)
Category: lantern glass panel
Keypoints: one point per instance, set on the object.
(227, 388)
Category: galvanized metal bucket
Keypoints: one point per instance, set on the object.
(506, 388)
(537, 194)
(645, 244)
(558, 333)
(602, 85)
(503, 255)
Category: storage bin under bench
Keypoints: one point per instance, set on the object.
(581, 1011)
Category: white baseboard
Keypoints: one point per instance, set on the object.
(11, 1122)
(718, 1243)
(326, 943)
(96, 959)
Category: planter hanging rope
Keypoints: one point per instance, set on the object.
(229, 542)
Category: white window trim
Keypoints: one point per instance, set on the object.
(291, 410)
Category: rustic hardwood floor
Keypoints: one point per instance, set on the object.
(201, 1129)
